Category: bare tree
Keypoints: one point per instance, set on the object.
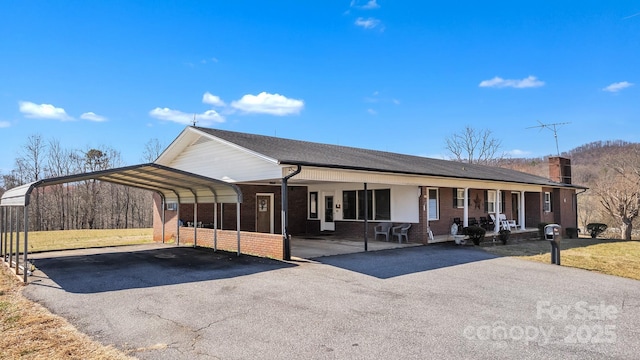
(618, 189)
(474, 146)
(152, 150)
(31, 168)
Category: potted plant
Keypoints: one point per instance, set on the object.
(475, 233)
(503, 234)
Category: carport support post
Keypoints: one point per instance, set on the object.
(215, 226)
(178, 224)
(238, 224)
(163, 217)
(10, 235)
(26, 246)
(366, 217)
(2, 229)
(17, 242)
(195, 220)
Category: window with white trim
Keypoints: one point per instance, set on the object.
(432, 204)
(458, 200)
(378, 201)
(313, 205)
(547, 202)
(492, 198)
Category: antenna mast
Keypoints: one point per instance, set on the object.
(194, 120)
(551, 127)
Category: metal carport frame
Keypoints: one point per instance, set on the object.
(173, 185)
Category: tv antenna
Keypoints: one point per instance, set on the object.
(194, 120)
(551, 127)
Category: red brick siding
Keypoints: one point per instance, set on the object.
(355, 230)
(533, 209)
(227, 218)
(251, 243)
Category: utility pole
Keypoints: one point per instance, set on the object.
(551, 127)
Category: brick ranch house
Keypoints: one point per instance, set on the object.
(324, 189)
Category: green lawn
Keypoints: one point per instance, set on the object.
(79, 239)
(607, 256)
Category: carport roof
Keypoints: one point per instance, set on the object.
(175, 185)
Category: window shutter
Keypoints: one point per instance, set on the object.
(455, 198)
(486, 201)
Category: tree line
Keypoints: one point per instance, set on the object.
(88, 204)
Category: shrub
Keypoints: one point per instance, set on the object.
(572, 232)
(541, 229)
(596, 229)
(475, 233)
(504, 235)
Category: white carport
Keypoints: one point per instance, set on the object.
(172, 185)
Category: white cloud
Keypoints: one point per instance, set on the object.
(207, 118)
(518, 153)
(91, 116)
(372, 112)
(371, 4)
(368, 23)
(498, 82)
(265, 103)
(209, 98)
(43, 111)
(4, 124)
(615, 87)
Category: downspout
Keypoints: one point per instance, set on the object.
(285, 214)
(164, 204)
(575, 204)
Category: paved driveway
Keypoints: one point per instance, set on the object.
(436, 301)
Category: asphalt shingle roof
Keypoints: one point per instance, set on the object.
(296, 152)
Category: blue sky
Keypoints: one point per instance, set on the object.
(397, 76)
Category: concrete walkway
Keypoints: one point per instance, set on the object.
(307, 248)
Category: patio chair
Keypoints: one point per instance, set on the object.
(400, 231)
(382, 229)
(507, 224)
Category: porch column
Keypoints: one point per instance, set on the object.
(465, 212)
(498, 203)
(366, 217)
(521, 212)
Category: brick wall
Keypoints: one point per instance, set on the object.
(251, 243)
(227, 216)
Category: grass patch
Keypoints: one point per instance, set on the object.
(607, 256)
(80, 239)
(30, 331)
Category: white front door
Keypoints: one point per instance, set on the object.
(326, 221)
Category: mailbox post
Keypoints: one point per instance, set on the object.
(552, 234)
